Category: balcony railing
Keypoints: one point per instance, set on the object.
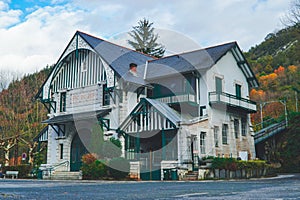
(178, 98)
(232, 101)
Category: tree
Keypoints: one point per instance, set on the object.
(292, 18)
(145, 40)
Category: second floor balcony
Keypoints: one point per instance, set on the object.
(232, 102)
(177, 98)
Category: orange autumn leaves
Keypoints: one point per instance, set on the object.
(271, 81)
(275, 86)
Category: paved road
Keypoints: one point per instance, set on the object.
(281, 187)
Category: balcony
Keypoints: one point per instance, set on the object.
(231, 102)
(177, 98)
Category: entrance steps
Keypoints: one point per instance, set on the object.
(66, 175)
(190, 176)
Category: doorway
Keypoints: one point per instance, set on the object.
(77, 151)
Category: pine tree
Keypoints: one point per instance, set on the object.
(145, 40)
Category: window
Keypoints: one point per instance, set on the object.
(236, 124)
(219, 85)
(216, 136)
(202, 142)
(63, 96)
(61, 152)
(238, 91)
(106, 96)
(224, 133)
(244, 126)
(131, 142)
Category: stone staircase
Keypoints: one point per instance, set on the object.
(190, 176)
(65, 175)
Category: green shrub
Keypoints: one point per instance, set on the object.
(119, 168)
(232, 164)
(95, 170)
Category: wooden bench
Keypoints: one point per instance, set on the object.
(13, 174)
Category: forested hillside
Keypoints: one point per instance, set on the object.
(21, 115)
(275, 63)
(281, 48)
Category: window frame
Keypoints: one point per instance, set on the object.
(224, 133)
(219, 84)
(236, 126)
(216, 135)
(106, 96)
(238, 91)
(63, 102)
(244, 126)
(202, 142)
(61, 151)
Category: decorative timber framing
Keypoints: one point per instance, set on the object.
(150, 115)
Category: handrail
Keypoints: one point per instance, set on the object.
(269, 129)
(53, 167)
(173, 95)
(66, 162)
(232, 96)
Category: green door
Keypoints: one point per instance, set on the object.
(218, 85)
(238, 91)
(77, 151)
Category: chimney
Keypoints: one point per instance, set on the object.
(133, 68)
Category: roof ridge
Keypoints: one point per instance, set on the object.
(105, 40)
(197, 50)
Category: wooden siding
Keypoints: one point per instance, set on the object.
(81, 68)
(148, 121)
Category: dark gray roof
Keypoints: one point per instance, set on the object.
(62, 119)
(196, 60)
(116, 56)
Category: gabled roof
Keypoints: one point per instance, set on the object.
(199, 60)
(62, 119)
(116, 56)
(165, 110)
(162, 108)
(119, 58)
(195, 60)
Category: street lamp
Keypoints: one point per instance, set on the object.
(283, 102)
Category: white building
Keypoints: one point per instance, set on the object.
(175, 109)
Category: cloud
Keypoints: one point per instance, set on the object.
(37, 37)
(8, 17)
(40, 39)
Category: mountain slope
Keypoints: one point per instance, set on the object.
(278, 49)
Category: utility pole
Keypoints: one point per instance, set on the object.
(296, 97)
(262, 104)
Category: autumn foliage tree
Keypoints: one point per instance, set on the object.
(275, 86)
(20, 116)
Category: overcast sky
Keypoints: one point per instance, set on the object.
(34, 33)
